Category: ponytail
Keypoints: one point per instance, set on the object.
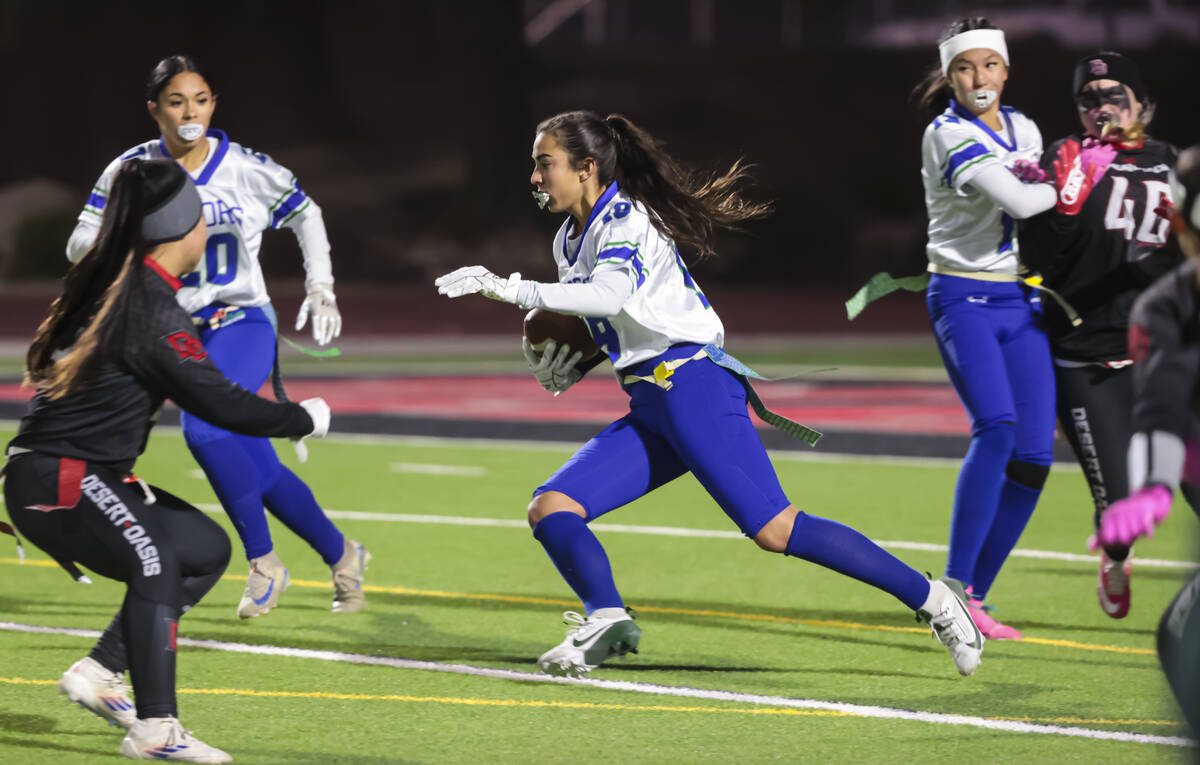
(684, 206)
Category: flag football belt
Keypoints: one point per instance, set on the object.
(884, 283)
(661, 376)
(222, 317)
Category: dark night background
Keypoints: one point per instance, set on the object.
(410, 123)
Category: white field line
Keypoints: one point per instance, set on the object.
(670, 531)
(420, 468)
(856, 710)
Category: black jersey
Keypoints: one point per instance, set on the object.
(1102, 258)
(107, 420)
(1164, 340)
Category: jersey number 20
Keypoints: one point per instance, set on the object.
(220, 261)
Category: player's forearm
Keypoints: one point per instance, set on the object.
(603, 296)
(309, 229)
(1019, 200)
(81, 241)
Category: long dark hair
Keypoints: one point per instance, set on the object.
(165, 70)
(933, 92)
(91, 315)
(684, 205)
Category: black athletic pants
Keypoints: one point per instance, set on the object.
(1095, 412)
(168, 553)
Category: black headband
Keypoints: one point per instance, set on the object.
(1109, 66)
(174, 217)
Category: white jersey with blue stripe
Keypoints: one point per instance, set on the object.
(244, 192)
(967, 231)
(666, 308)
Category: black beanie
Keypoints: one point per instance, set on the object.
(1109, 66)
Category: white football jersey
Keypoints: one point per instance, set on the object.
(244, 192)
(667, 306)
(967, 231)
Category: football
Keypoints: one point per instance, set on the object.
(542, 325)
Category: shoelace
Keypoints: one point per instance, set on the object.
(574, 621)
(947, 626)
(116, 685)
(1114, 576)
(178, 735)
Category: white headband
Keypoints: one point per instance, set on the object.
(992, 39)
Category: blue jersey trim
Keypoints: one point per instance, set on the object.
(213, 161)
(625, 253)
(287, 208)
(97, 201)
(139, 151)
(958, 158)
(965, 113)
(601, 203)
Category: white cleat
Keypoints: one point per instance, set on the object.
(163, 738)
(946, 613)
(1113, 588)
(99, 691)
(267, 580)
(590, 641)
(348, 578)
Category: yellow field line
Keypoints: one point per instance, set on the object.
(458, 700)
(746, 617)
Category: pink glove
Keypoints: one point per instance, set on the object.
(1133, 517)
(1096, 157)
(1028, 171)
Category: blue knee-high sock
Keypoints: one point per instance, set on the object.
(291, 501)
(1017, 501)
(236, 483)
(580, 558)
(846, 551)
(977, 497)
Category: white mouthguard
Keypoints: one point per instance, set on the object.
(982, 99)
(190, 131)
(542, 198)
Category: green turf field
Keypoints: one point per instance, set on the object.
(452, 589)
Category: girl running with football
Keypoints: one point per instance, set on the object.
(244, 193)
(986, 320)
(627, 205)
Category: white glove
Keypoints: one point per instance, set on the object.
(318, 410)
(471, 279)
(554, 367)
(326, 320)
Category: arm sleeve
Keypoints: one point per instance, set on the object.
(309, 228)
(88, 225)
(291, 208)
(1019, 200)
(603, 296)
(170, 359)
(1164, 376)
(82, 239)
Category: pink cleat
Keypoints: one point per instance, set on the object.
(991, 629)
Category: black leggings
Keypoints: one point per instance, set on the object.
(1095, 412)
(169, 554)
